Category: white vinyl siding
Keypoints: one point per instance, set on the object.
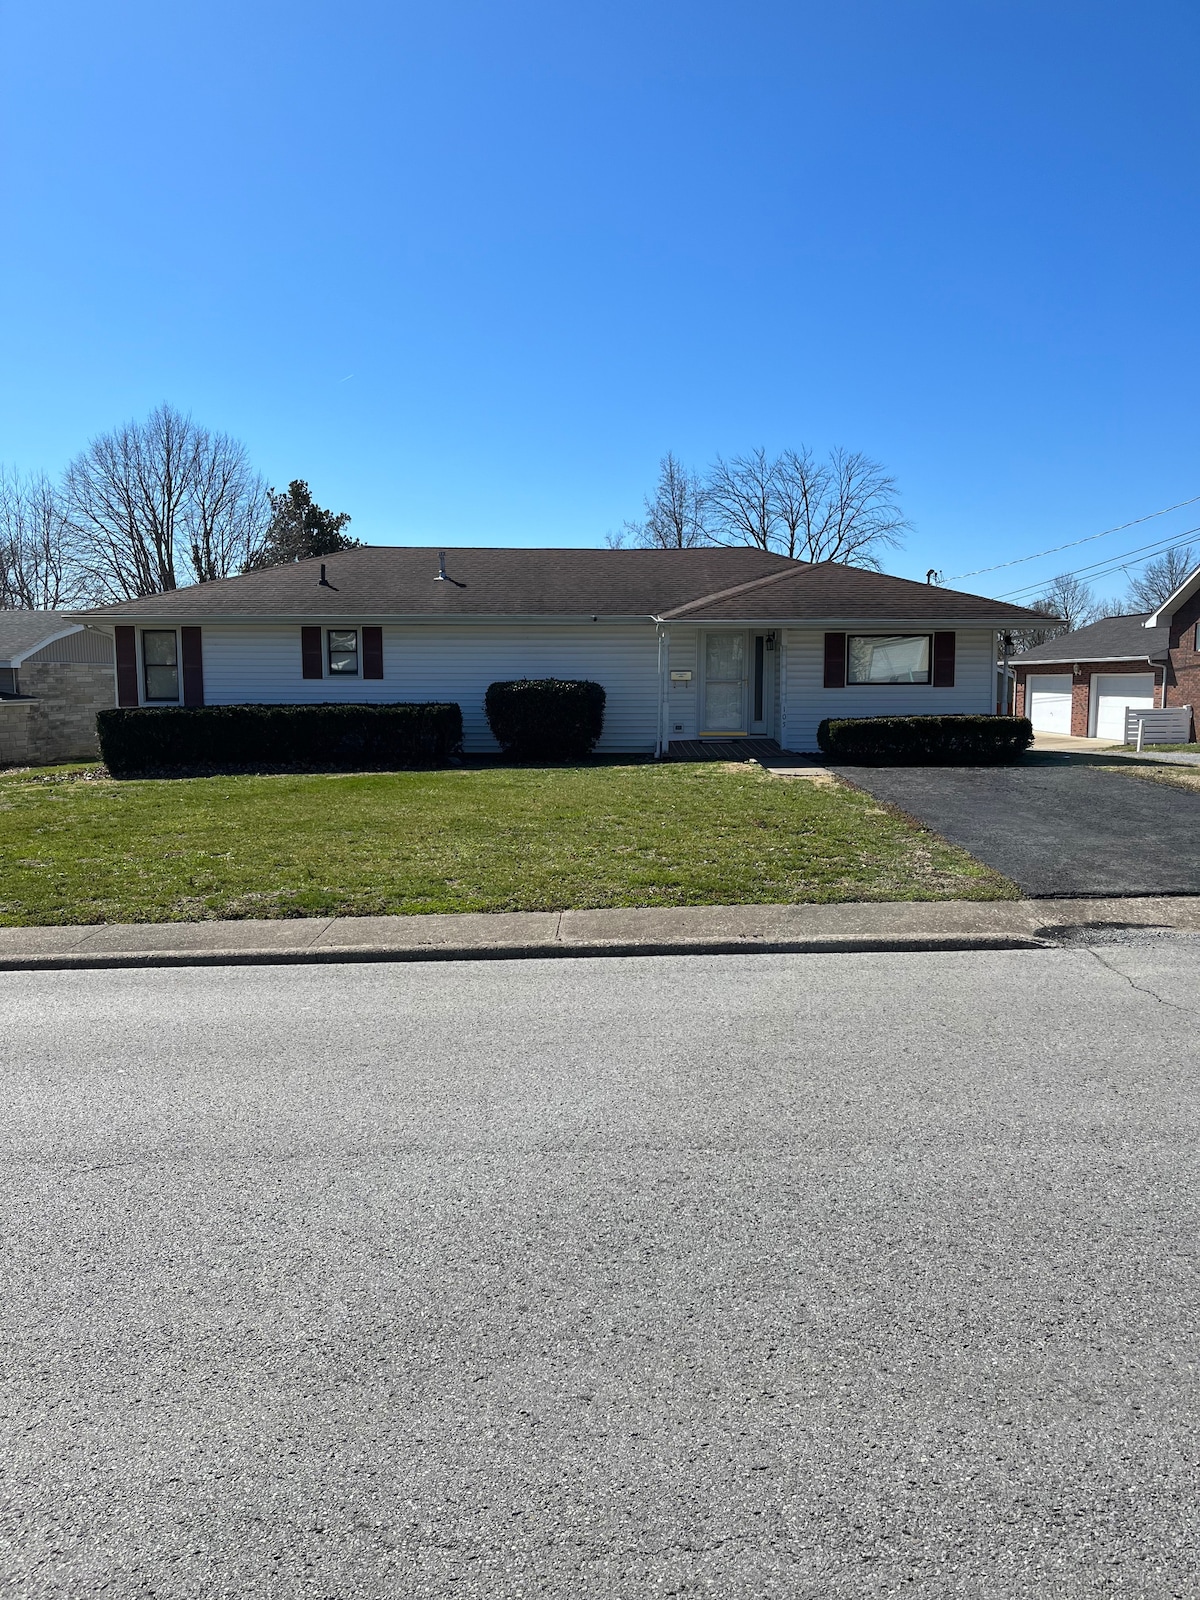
(455, 662)
(681, 697)
(86, 646)
(806, 700)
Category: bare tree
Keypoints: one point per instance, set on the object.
(38, 569)
(228, 512)
(675, 512)
(1069, 601)
(1159, 579)
(844, 509)
(743, 501)
(1030, 636)
(163, 502)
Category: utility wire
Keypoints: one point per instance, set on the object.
(1071, 544)
(1102, 569)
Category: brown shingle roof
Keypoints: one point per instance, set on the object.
(827, 590)
(399, 580)
(708, 584)
(1110, 639)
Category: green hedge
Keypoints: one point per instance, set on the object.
(257, 738)
(545, 719)
(958, 740)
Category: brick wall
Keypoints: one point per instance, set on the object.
(66, 696)
(1183, 679)
(1081, 687)
(15, 717)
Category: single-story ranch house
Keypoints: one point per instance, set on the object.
(688, 644)
(54, 677)
(1083, 683)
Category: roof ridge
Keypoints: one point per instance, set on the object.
(741, 588)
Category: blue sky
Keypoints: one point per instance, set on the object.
(472, 268)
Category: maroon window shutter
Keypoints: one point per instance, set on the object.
(311, 665)
(127, 682)
(193, 666)
(943, 661)
(835, 660)
(372, 652)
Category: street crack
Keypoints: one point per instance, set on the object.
(1141, 987)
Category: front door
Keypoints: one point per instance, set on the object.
(724, 685)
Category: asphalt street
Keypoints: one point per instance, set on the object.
(1053, 826)
(798, 1276)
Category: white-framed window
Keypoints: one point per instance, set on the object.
(888, 658)
(160, 666)
(343, 652)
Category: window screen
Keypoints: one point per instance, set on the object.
(887, 658)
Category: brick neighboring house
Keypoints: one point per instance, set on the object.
(54, 677)
(1082, 683)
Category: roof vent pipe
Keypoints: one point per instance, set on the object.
(323, 581)
(441, 577)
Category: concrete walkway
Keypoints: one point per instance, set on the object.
(715, 930)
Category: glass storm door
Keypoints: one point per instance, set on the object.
(724, 683)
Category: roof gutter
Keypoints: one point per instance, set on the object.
(1082, 655)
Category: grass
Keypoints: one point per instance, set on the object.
(75, 848)
(1173, 777)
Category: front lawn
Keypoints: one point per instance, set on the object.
(75, 849)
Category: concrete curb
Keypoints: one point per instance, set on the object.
(902, 927)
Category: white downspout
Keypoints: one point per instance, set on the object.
(660, 748)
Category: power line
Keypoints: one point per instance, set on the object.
(1072, 543)
(1111, 564)
(1102, 569)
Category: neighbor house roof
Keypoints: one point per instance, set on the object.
(23, 632)
(1111, 639)
(707, 584)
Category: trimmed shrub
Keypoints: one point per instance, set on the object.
(254, 738)
(545, 719)
(947, 740)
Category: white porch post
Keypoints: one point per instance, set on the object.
(664, 657)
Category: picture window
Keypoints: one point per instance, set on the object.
(888, 658)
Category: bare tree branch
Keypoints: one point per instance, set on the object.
(675, 513)
(38, 566)
(1065, 597)
(842, 509)
(1159, 579)
(163, 502)
(742, 500)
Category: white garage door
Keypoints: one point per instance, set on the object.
(1049, 702)
(1113, 693)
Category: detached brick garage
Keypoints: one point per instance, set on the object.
(1084, 682)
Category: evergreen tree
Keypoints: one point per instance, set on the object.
(299, 528)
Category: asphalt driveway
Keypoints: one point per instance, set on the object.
(1054, 830)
